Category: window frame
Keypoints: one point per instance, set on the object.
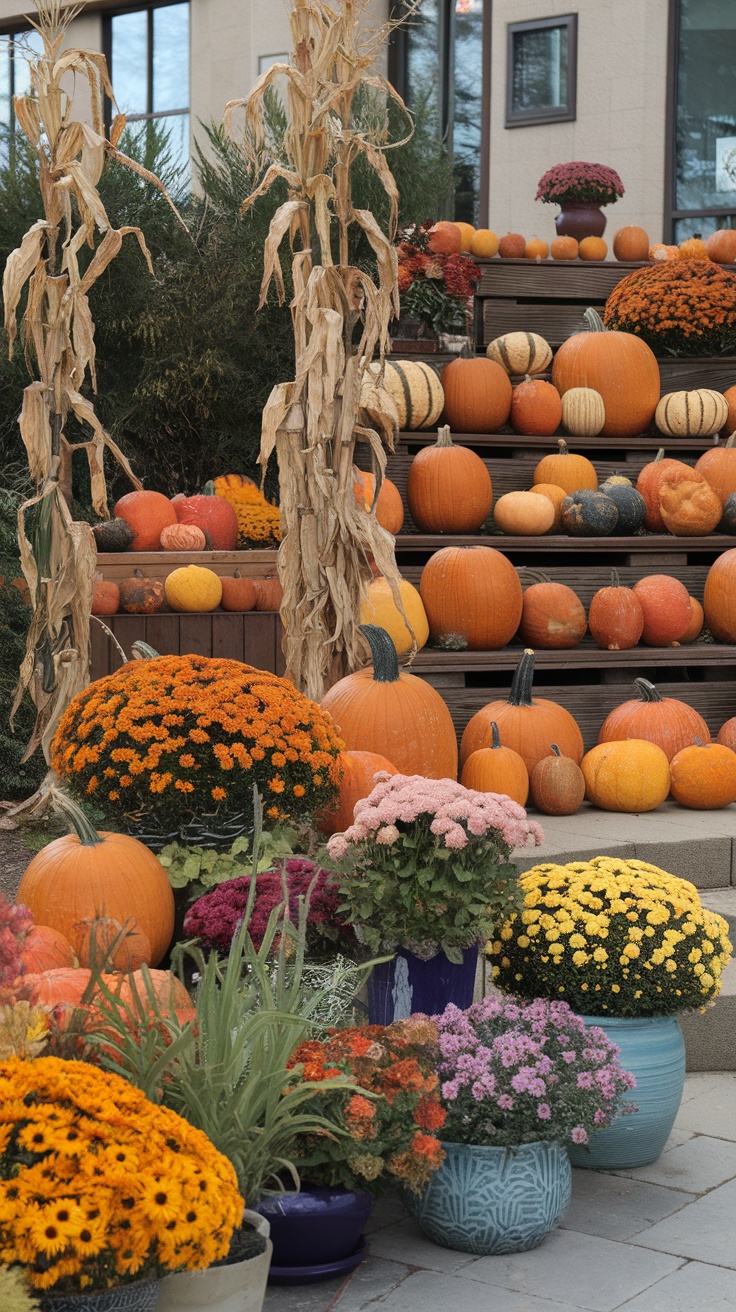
(107, 19)
(525, 118)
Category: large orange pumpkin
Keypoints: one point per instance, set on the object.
(473, 598)
(631, 776)
(357, 770)
(87, 874)
(721, 246)
(477, 395)
(147, 513)
(527, 724)
(104, 941)
(552, 617)
(665, 603)
(46, 949)
(389, 508)
(564, 469)
(631, 243)
(719, 597)
(666, 721)
(497, 769)
(703, 776)
(397, 715)
(448, 488)
(536, 408)
(620, 366)
(649, 484)
(214, 515)
(718, 466)
(615, 618)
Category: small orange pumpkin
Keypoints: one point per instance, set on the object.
(552, 617)
(695, 628)
(573, 473)
(512, 246)
(703, 777)
(105, 597)
(564, 248)
(554, 494)
(536, 250)
(631, 244)
(557, 784)
(390, 507)
(666, 606)
(721, 246)
(536, 408)
(445, 238)
(593, 248)
(238, 593)
(524, 515)
(615, 618)
(497, 769)
(727, 734)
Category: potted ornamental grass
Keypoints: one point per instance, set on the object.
(424, 872)
(580, 189)
(520, 1081)
(629, 947)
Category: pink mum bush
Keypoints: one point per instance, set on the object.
(580, 181)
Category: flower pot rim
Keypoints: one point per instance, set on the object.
(629, 1020)
(504, 1148)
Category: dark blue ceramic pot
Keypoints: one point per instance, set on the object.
(317, 1226)
(406, 985)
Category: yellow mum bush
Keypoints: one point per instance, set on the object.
(259, 523)
(610, 937)
(92, 1176)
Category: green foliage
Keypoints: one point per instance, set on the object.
(16, 780)
(198, 870)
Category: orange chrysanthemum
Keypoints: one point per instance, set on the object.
(683, 307)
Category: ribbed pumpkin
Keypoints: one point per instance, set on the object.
(564, 248)
(718, 467)
(445, 238)
(631, 776)
(727, 734)
(650, 480)
(618, 365)
(703, 777)
(497, 769)
(397, 715)
(552, 617)
(147, 513)
(689, 508)
(557, 784)
(415, 389)
(721, 246)
(46, 949)
(527, 724)
(536, 408)
(695, 627)
(566, 470)
(269, 594)
(583, 412)
(87, 874)
(477, 395)
(615, 618)
(700, 413)
(524, 514)
(630, 504)
(193, 588)
(141, 596)
(214, 515)
(182, 537)
(666, 721)
(589, 514)
(665, 603)
(113, 535)
(380, 608)
(719, 597)
(593, 248)
(554, 494)
(448, 488)
(520, 353)
(238, 593)
(356, 782)
(631, 243)
(472, 596)
(105, 597)
(390, 507)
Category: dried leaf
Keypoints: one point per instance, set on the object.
(18, 268)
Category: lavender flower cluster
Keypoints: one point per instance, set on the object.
(515, 1072)
(580, 181)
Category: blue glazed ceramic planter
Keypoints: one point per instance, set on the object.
(316, 1227)
(495, 1200)
(406, 985)
(653, 1049)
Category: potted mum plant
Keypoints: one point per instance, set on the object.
(435, 290)
(519, 1082)
(580, 189)
(424, 873)
(629, 946)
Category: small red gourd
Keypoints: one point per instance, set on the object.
(536, 408)
(615, 618)
(238, 593)
(105, 597)
(557, 784)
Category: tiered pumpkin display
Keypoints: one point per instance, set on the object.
(525, 723)
(214, 515)
(552, 617)
(630, 776)
(615, 618)
(384, 710)
(147, 514)
(618, 365)
(719, 597)
(583, 411)
(700, 413)
(718, 468)
(141, 596)
(566, 470)
(497, 769)
(448, 488)
(379, 608)
(473, 598)
(193, 588)
(357, 771)
(536, 408)
(477, 395)
(665, 721)
(389, 507)
(414, 388)
(665, 604)
(557, 784)
(703, 777)
(523, 514)
(520, 353)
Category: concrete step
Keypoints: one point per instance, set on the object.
(710, 1035)
(722, 900)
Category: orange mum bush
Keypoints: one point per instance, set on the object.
(168, 740)
(679, 307)
(259, 523)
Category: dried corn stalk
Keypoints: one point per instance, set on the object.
(315, 421)
(57, 554)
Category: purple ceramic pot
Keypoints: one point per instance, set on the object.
(406, 985)
(580, 219)
(317, 1226)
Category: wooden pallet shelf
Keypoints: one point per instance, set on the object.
(587, 657)
(158, 564)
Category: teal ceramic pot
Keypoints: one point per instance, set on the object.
(653, 1049)
(495, 1200)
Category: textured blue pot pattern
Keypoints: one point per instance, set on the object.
(495, 1200)
(406, 985)
(316, 1226)
(653, 1049)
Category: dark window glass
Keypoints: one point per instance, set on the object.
(539, 78)
(705, 148)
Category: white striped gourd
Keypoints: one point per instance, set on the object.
(583, 411)
(520, 353)
(691, 414)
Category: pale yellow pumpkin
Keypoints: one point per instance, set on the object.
(379, 608)
(193, 588)
(700, 413)
(583, 411)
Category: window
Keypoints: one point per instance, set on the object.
(148, 56)
(267, 61)
(16, 49)
(541, 71)
(702, 166)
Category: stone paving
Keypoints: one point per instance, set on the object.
(658, 1239)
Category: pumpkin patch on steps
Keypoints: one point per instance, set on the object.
(665, 721)
(497, 769)
(525, 723)
(448, 488)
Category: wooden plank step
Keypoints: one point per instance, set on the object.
(555, 322)
(587, 657)
(645, 544)
(512, 444)
(562, 279)
(250, 636)
(119, 565)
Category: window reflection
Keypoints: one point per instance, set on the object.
(705, 168)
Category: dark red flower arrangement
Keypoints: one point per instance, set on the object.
(435, 288)
(580, 181)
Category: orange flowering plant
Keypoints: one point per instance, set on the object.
(168, 741)
(259, 522)
(679, 307)
(99, 1187)
(391, 1132)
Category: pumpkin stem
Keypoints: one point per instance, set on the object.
(555, 749)
(521, 684)
(84, 829)
(659, 456)
(383, 652)
(562, 447)
(142, 651)
(698, 742)
(443, 436)
(647, 691)
(237, 574)
(615, 580)
(594, 321)
(495, 735)
(209, 489)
